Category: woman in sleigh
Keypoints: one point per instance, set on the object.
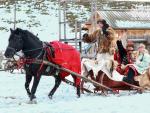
(128, 67)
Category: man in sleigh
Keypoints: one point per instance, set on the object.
(127, 68)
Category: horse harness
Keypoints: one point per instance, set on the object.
(48, 55)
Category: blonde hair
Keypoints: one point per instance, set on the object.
(141, 45)
(144, 48)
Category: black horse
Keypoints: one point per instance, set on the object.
(33, 48)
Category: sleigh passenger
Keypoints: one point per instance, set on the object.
(105, 36)
(123, 56)
(139, 67)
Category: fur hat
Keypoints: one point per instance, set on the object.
(105, 26)
(102, 21)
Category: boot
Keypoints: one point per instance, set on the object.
(126, 79)
(129, 79)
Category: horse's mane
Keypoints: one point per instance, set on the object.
(26, 33)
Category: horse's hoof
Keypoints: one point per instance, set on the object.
(32, 102)
(78, 95)
(32, 97)
(50, 96)
(78, 92)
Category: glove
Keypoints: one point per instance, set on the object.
(85, 35)
(84, 39)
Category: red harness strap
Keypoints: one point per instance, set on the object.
(40, 69)
(49, 54)
(22, 61)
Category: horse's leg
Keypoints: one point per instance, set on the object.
(27, 83)
(34, 87)
(57, 83)
(77, 84)
(82, 81)
(78, 90)
(82, 85)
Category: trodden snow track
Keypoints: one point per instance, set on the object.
(13, 99)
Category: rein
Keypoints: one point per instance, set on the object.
(33, 50)
(46, 49)
(24, 60)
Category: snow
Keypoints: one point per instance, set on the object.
(13, 99)
(125, 24)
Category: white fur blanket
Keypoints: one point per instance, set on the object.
(101, 63)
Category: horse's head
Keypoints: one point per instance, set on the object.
(15, 43)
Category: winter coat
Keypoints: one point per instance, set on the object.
(117, 58)
(104, 43)
(142, 63)
(122, 57)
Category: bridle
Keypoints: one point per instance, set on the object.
(13, 49)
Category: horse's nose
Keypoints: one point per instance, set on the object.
(7, 54)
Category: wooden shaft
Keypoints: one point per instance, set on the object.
(74, 74)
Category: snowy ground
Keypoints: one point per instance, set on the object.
(13, 99)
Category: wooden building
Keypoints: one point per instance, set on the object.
(133, 24)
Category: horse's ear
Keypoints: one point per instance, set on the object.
(11, 30)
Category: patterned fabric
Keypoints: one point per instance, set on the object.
(103, 63)
(126, 70)
(119, 69)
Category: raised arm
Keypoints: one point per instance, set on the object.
(90, 38)
(122, 52)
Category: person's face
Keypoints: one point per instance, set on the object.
(141, 49)
(130, 50)
(100, 24)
